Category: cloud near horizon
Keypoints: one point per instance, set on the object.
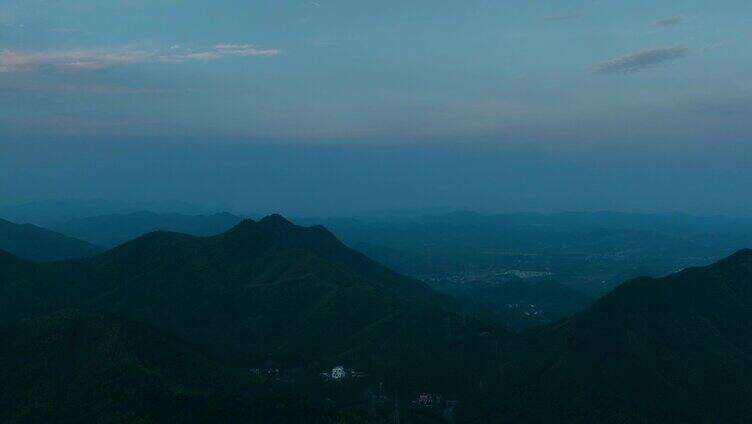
(97, 59)
(667, 22)
(639, 60)
(563, 17)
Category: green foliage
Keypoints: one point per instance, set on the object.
(675, 349)
(265, 292)
(165, 327)
(71, 368)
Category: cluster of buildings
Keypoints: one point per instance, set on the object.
(274, 374)
(428, 400)
(436, 403)
(269, 373)
(528, 274)
(497, 276)
(528, 309)
(339, 373)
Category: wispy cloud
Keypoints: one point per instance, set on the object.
(64, 30)
(667, 21)
(243, 50)
(97, 59)
(639, 60)
(11, 60)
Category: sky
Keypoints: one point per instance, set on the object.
(332, 107)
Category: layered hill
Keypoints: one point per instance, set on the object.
(114, 229)
(675, 349)
(39, 244)
(262, 291)
(45, 212)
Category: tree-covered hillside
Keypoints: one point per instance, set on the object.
(71, 368)
(675, 349)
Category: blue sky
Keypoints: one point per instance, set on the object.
(581, 74)
(390, 70)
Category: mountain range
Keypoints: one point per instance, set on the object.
(262, 291)
(114, 229)
(164, 324)
(44, 212)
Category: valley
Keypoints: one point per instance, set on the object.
(277, 312)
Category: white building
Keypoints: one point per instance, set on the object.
(338, 373)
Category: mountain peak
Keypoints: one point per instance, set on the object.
(275, 220)
(740, 258)
(270, 224)
(744, 254)
(7, 256)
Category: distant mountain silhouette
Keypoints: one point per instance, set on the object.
(30, 242)
(45, 212)
(674, 349)
(112, 230)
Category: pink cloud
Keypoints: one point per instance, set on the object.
(97, 59)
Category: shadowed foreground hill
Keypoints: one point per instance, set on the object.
(675, 349)
(39, 244)
(263, 291)
(71, 368)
